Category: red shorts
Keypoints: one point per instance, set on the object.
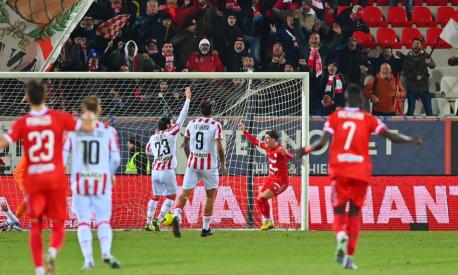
(275, 185)
(347, 189)
(51, 203)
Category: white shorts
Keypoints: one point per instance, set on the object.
(164, 182)
(99, 205)
(193, 176)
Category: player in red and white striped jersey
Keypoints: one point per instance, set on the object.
(95, 157)
(162, 146)
(203, 146)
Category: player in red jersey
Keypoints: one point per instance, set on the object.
(277, 181)
(42, 133)
(350, 166)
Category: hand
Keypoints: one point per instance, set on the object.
(145, 56)
(110, 44)
(241, 126)
(419, 77)
(429, 61)
(302, 62)
(185, 70)
(274, 59)
(4, 207)
(187, 92)
(336, 28)
(363, 69)
(282, 61)
(398, 94)
(374, 99)
(416, 141)
(399, 53)
(283, 150)
(223, 169)
(273, 28)
(120, 45)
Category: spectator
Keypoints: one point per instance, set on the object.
(87, 28)
(284, 8)
(307, 17)
(167, 60)
(415, 69)
(138, 163)
(276, 62)
(252, 23)
(115, 104)
(93, 64)
(225, 34)
(289, 68)
(353, 62)
(153, 51)
(72, 56)
(124, 68)
(164, 31)
(204, 60)
(238, 52)
(387, 57)
(385, 92)
(288, 34)
(136, 61)
(350, 21)
(248, 64)
(333, 86)
(186, 41)
(147, 24)
(115, 58)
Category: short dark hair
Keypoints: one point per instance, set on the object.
(273, 134)
(36, 91)
(163, 122)
(206, 108)
(417, 39)
(91, 103)
(353, 90)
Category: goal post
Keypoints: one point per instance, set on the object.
(133, 103)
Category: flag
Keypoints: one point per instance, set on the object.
(112, 28)
(450, 32)
(31, 39)
(318, 4)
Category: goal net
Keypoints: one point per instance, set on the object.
(134, 102)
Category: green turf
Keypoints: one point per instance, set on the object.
(252, 252)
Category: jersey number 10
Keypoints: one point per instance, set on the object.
(91, 151)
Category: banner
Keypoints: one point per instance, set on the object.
(392, 203)
(31, 39)
(450, 32)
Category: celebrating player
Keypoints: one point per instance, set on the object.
(277, 181)
(203, 141)
(162, 145)
(41, 131)
(94, 157)
(350, 166)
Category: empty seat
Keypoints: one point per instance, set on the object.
(432, 34)
(417, 2)
(408, 34)
(373, 17)
(440, 106)
(383, 2)
(454, 2)
(444, 14)
(397, 17)
(387, 37)
(449, 86)
(364, 39)
(422, 17)
(437, 2)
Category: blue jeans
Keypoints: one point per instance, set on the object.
(425, 99)
(254, 42)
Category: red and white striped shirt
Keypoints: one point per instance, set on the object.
(202, 133)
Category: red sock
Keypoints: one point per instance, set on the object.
(36, 243)
(265, 208)
(57, 235)
(339, 223)
(353, 233)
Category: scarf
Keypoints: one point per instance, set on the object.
(338, 88)
(314, 61)
(169, 63)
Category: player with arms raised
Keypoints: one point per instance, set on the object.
(162, 146)
(203, 147)
(42, 133)
(350, 166)
(94, 158)
(277, 181)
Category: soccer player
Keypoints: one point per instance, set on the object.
(162, 145)
(95, 157)
(203, 147)
(42, 131)
(18, 175)
(350, 166)
(11, 222)
(277, 181)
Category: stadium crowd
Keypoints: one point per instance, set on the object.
(251, 35)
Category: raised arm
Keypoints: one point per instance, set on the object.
(400, 138)
(184, 111)
(317, 145)
(248, 136)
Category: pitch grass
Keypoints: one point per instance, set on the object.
(249, 252)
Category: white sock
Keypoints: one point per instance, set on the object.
(53, 252)
(340, 235)
(11, 216)
(151, 210)
(105, 237)
(85, 240)
(177, 213)
(206, 223)
(40, 270)
(165, 209)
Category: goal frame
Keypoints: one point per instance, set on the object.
(303, 76)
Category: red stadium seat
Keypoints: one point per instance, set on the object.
(340, 9)
(397, 17)
(437, 2)
(387, 37)
(418, 2)
(454, 2)
(431, 36)
(373, 17)
(364, 39)
(422, 17)
(408, 34)
(383, 2)
(444, 14)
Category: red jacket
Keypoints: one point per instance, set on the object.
(209, 63)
